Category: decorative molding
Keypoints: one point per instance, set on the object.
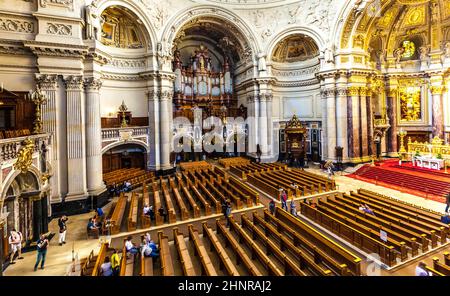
(353, 91)
(59, 29)
(342, 91)
(296, 73)
(437, 90)
(308, 82)
(328, 92)
(166, 95)
(61, 3)
(265, 97)
(154, 95)
(41, 48)
(16, 25)
(123, 63)
(120, 77)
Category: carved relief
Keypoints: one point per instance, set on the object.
(15, 25)
(59, 29)
(62, 3)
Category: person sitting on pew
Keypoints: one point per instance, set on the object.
(99, 212)
(365, 208)
(446, 218)
(162, 212)
(97, 223)
(293, 210)
(91, 225)
(155, 249)
(421, 271)
(146, 210)
(272, 207)
(130, 246)
(106, 268)
(127, 186)
(151, 213)
(112, 190)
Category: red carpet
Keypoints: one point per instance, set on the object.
(427, 183)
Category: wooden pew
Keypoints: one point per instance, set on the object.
(183, 209)
(166, 258)
(205, 204)
(225, 260)
(192, 202)
(145, 219)
(183, 254)
(157, 200)
(133, 213)
(245, 188)
(146, 266)
(241, 255)
(172, 218)
(200, 250)
(439, 267)
(117, 216)
(447, 258)
(357, 238)
(87, 263)
(100, 259)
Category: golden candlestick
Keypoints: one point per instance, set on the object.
(39, 99)
(373, 160)
(402, 133)
(123, 108)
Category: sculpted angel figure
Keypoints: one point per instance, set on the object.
(423, 50)
(398, 53)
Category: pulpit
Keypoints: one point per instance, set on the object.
(296, 135)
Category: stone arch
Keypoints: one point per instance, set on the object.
(139, 11)
(13, 175)
(316, 36)
(177, 22)
(119, 143)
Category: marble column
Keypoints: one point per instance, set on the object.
(153, 154)
(323, 139)
(353, 93)
(76, 138)
(392, 115)
(94, 166)
(252, 124)
(270, 128)
(164, 128)
(370, 123)
(341, 122)
(262, 119)
(330, 93)
(364, 124)
(438, 114)
(50, 118)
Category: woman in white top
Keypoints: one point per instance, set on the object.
(106, 268)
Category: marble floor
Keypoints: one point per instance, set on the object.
(59, 258)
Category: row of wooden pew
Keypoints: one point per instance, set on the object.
(243, 170)
(306, 183)
(134, 175)
(233, 161)
(406, 230)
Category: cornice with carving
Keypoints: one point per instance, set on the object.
(122, 77)
(16, 24)
(61, 3)
(300, 83)
(41, 48)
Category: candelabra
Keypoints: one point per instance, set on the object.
(402, 133)
(39, 99)
(123, 108)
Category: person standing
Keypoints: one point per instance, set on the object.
(42, 245)
(272, 206)
(447, 201)
(292, 205)
(115, 263)
(284, 200)
(421, 271)
(19, 245)
(13, 241)
(228, 213)
(62, 229)
(106, 267)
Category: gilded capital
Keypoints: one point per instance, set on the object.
(353, 91)
(363, 91)
(437, 90)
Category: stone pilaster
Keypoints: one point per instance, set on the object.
(262, 119)
(165, 129)
(330, 94)
(153, 155)
(354, 136)
(50, 119)
(437, 90)
(253, 114)
(364, 124)
(94, 164)
(76, 138)
(392, 115)
(341, 121)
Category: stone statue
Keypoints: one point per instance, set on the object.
(328, 54)
(93, 22)
(398, 53)
(447, 49)
(423, 51)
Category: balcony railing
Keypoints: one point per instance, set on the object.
(124, 132)
(10, 147)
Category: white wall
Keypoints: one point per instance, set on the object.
(134, 97)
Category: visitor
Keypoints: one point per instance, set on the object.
(106, 267)
(19, 245)
(62, 229)
(151, 213)
(447, 201)
(421, 270)
(446, 218)
(91, 225)
(365, 208)
(258, 153)
(146, 210)
(283, 198)
(147, 237)
(99, 212)
(228, 213)
(293, 210)
(145, 248)
(127, 186)
(162, 212)
(155, 249)
(115, 263)
(272, 206)
(13, 241)
(130, 246)
(302, 161)
(42, 245)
